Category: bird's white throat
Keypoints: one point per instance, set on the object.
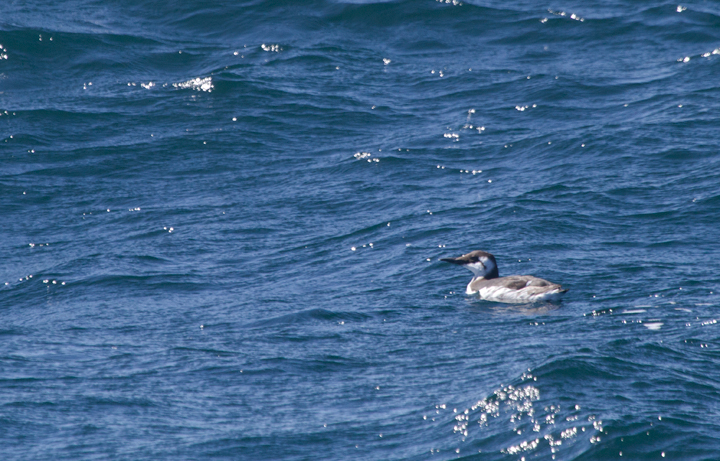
(482, 267)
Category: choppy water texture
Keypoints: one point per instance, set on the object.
(222, 222)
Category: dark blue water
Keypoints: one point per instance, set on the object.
(221, 225)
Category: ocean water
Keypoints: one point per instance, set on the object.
(221, 225)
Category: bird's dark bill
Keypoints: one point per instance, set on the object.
(454, 261)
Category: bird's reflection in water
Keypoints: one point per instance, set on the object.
(480, 305)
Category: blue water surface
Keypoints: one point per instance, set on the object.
(221, 226)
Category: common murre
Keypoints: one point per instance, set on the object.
(488, 284)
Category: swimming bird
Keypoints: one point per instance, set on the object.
(488, 284)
